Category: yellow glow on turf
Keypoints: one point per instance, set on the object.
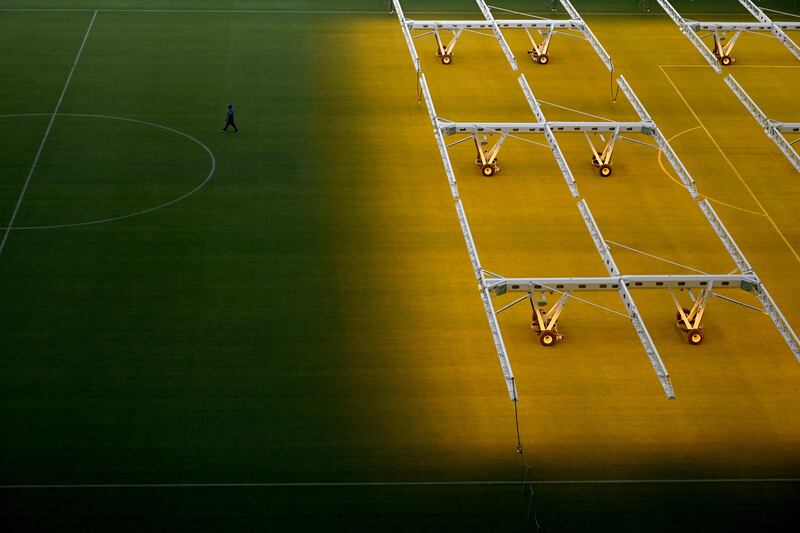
(590, 406)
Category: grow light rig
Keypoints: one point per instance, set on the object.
(446, 33)
(723, 42)
(544, 320)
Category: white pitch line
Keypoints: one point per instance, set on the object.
(141, 211)
(10, 225)
(736, 67)
(322, 484)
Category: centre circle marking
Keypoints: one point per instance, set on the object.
(135, 213)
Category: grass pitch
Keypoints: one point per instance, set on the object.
(309, 315)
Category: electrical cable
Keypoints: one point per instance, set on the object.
(614, 95)
(528, 468)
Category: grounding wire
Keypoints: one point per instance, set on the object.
(480, 32)
(779, 12)
(515, 302)
(517, 12)
(574, 110)
(552, 289)
(524, 139)
(637, 141)
(762, 34)
(656, 257)
(493, 131)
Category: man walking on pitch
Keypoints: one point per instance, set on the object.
(229, 121)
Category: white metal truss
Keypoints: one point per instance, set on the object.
(486, 160)
(775, 130)
(544, 321)
(774, 28)
(720, 53)
(539, 53)
(758, 288)
(483, 288)
(589, 36)
(659, 138)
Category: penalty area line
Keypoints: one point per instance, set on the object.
(10, 225)
(323, 484)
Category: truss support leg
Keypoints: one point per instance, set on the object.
(545, 321)
(487, 159)
(602, 160)
(540, 51)
(722, 49)
(690, 321)
(445, 51)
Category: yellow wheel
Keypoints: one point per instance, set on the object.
(726, 60)
(695, 337)
(678, 315)
(605, 170)
(488, 170)
(447, 59)
(547, 338)
(544, 59)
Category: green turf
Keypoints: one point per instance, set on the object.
(310, 315)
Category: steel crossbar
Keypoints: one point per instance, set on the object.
(612, 283)
(741, 26)
(488, 25)
(452, 128)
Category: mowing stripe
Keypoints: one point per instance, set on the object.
(323, 484)
(10, 225)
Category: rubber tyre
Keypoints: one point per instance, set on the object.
(544, 59)
(604, 170)
(695, 337)
(547, 338)
(488, 170)
(447, 59)
(726, 60)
